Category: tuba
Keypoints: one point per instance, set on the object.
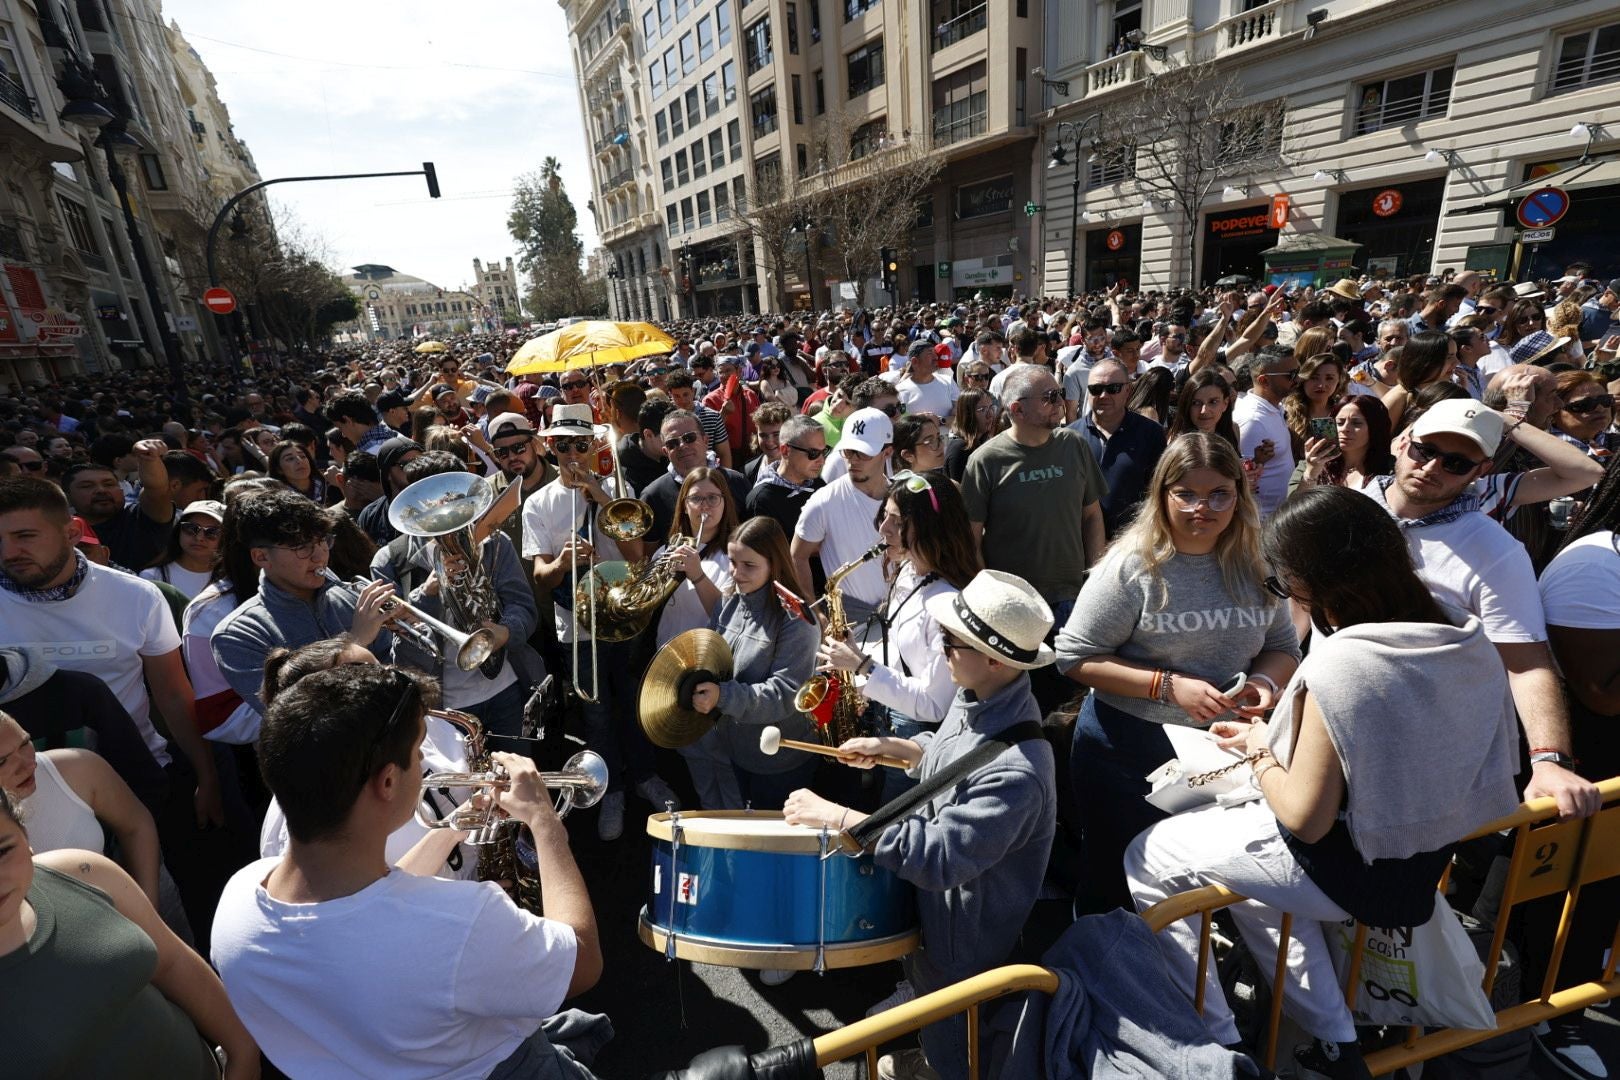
(448, 508)
(829, 697)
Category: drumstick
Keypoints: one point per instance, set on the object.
(770, 741)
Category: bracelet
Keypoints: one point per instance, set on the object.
(1154, 685)
(1167, 687)
(1262, 677)
(866, 666)
(1262, 767)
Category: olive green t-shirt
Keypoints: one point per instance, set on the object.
(1031, 501)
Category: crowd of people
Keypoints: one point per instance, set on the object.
(1361, 536)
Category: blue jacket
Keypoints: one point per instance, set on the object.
(977, 852)
(773, 654)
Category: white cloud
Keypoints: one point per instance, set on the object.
(485, 89)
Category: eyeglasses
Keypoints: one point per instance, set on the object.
(1291, 375)
(933, 442)
(304, 551)
(1219, 501)
(1105, 389)
(1046, 397)
(686, 439)
(1590, 404)
(409, 692)
(1455, 464)
(813, 455)
(704, 500)
(1277, 588)
(501, 453)
(571, 446)
(978, 376)
(207, 532)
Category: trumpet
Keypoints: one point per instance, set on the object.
(469, 650)
(580, 784)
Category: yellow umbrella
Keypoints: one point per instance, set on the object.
(590, 344)
(431, 347)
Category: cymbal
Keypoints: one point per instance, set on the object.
(665, 702)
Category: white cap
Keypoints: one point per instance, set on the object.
(866, 430)
(206, 507)
(1465, 417)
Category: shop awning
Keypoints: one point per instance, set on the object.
(1599, 172)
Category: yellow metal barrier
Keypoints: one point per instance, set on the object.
(1549, 857)
(966, 996)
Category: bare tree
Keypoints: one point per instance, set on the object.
(773, 212)
(1190, 129)
(282, 273)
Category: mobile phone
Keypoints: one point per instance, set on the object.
(1239, 681)
(1325, 427)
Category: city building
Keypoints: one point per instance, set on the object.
(729, 90)
(395, 305)
(1413, 146)
(495, 288)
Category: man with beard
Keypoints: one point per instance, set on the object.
(135, 534)
(516, 449)
(683, 441)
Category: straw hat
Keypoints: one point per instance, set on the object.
(1346, 288)
(1000, 615)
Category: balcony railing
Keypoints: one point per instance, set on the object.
(11, 243)
(620, 178)
(93, 261)
(1120, 70)
(964, 25)
(610, 138)
(947, 131)
(1268, 22)
(13, 94)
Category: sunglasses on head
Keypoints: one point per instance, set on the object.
(571, 446)
(1455, 464)
(207, 532)
(676, 441)
(1590, 404)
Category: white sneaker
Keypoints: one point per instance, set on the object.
(610, 820)
(776, 976)
(905, 1065)
(903, 992)
(660, 794)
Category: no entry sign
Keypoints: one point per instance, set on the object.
(1543, 207)
(219, 301)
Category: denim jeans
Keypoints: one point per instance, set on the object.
(610, 721)
(895, 781)
(501, 714)
(1113, 751)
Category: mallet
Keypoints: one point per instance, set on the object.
(770, 741)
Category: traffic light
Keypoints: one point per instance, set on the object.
(889, 270)
(432, 175)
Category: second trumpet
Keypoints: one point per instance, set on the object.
(418, 627)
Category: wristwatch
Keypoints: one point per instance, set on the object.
(1557, 757)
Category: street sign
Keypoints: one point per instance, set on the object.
(1115, 240)
(1279, 211)
(1031, 209)
(945, 270)
(1536, 236)
(219, 301)
(1543, 207)
(1387, 203)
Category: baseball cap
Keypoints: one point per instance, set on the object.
(87, 535)
(1465, 417)
(390, 399)
(440, 389)
(868, 431)
(209, 507)
(510, 423)
(1614, 286)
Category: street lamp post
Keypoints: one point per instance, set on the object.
(1073, 135)
(803, 226)
(688, 285)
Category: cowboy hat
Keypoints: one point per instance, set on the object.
(1000, 615)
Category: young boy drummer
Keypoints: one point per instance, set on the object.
(976, 852)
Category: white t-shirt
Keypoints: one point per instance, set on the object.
(935, 396)
(189, 582)
(547, 527)
(411, 977)
(1258, 420)
(442, 751)
(840, 517)
(685, 610)
(105, 629)
(205, 612)
(1498, 359)
(1580, 588)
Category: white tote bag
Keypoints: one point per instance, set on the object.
(1427, 975)
(1197, 753)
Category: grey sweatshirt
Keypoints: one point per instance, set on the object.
(977, 853)
(773, 653)
(1200, 630)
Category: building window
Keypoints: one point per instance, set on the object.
(867, 138)
(815, 21)
(1588, 58)
(1403, 100)
(666, 16)
(717, 151)
(670, 70)
(798, 101)
(734, 139)
(1260, 132)
(792, 15)
(722, 21)
(1111, 166)
(700, 168)
(694, 113)
(688, 54)
(1020, 86)
(704, 215)
(78, 226)
(1127, 17)
(683, 8)
(762, 107)
(662, 123)
(711, 94)
(705, 33)
(117, 248)
(865, 68)
(682, 172)
(687, 222)
(961, 105)
(655, 75)
(821, 94)
(739, 194)
(152, 173)
(853, 8)
(673, 219)
(757, 45)
(649, 26)
(728, 81)
(677, 120)
(768, 173)
(722, 203)
(669, 174)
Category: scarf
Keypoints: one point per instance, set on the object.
(1466, 503)
(768, 476)
(56, 593)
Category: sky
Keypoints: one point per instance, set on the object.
(485, 89)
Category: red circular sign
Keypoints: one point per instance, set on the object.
(1116, 240)
(1387, 203)
(1543, 208)
(219, 301)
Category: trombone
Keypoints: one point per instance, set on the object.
(573, 591)
(468, 650)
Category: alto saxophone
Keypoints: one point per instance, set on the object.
(830, 697)
(505, 851)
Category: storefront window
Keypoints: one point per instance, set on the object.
(1395, 225)
(1113, 255)
(1233, 241)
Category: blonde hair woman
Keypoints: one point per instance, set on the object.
(1166, 622)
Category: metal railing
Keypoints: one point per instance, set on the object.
(93, 260)
(948, 131)
(13, 94)
(965, 25)
(608, 138)
(620, 178)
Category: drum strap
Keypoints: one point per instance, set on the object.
(867, 831)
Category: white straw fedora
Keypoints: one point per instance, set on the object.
(570, 420)
(1001, 616)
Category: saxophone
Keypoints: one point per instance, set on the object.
(830, 697)
(505, 850)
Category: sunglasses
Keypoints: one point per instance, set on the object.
(1591, 404)
(1291, 375)
(1277, 588)
(1455, 464)
(207, 532)
(409, 692)
(916, 483)
(813, 455)
(575, 385)
(1048, 397)
(681, 440)
(950, 644)
(571, 446)
(1105, 389)
(892, 411)
(978, 376)
(1218, 501)
(501, 453)
(1484, 309)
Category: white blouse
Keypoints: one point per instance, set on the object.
(912, 679)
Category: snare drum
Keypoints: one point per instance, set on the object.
(745, 889)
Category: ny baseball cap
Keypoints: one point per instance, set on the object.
(868, 431)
